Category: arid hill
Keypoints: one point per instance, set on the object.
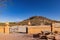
(35, 20)
(38, 20)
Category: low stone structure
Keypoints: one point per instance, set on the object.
(8, 28)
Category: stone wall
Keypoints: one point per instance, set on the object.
(38, 29)
(31, 29)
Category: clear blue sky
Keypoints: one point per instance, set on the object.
(17, 10)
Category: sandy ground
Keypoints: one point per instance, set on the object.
(15, 36)
(19, 36)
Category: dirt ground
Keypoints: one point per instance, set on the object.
(20, 36)
(15, 36)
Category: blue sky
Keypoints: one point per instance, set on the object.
(17, 10)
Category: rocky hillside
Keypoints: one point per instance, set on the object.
(37, 20)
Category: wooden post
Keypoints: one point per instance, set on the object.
(4, 29)
(27, 30)
(51, 28)
(53, 24)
